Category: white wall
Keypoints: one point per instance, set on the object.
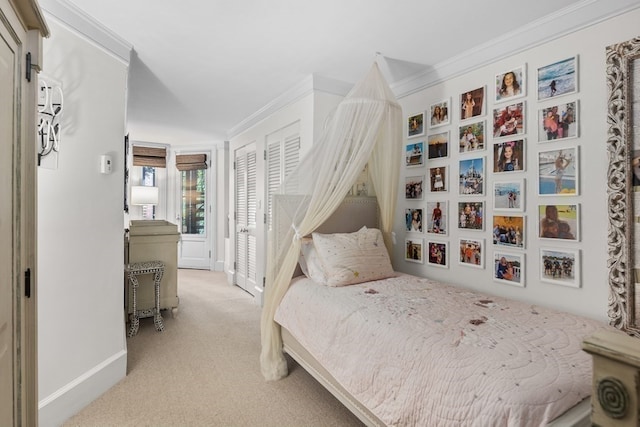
(81, 336)
(309, 111)
(591, 299)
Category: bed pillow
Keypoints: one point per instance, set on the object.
(350, 258)
(310, 263)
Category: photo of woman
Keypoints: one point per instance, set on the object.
(438, 178)
(438, 254)
(413, 250)
(439, 113)
(508, 156)
(558, 122)
(510, 84)
(508, 268)
(472, 103)
(471, 137)
(559, 78)
(508, 120)
(415, 125)
(413, 219)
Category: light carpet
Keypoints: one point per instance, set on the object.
(203, 370)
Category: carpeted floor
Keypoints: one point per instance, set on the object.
(203, 370)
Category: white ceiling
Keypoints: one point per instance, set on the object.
(201, 67)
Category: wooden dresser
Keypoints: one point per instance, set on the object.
(616, 379)
(153, 240)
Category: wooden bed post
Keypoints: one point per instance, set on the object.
(616, 379)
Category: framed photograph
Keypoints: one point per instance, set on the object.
(472, 137)
(471, 215)
(438, 145)
(509, 231)
(437, 217)
(413, 186)
(508, 268)
(508, 195)
(511, 84)
(413, 220)
(559, 222)
(509, 120)
(438, 179)
(438, 254)
(560, 267)
(414, 154)
(558, 122)
(414, 250)
(508, 156)
(439, 113)
(471, 177)
(415, 125)
(471, 252)
(472, 103)
(558, 172)
(559, 78)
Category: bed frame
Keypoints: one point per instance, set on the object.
(354, 213)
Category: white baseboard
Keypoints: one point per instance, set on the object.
(61, 405)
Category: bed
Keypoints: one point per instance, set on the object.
(435, 354)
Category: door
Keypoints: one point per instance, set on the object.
(194, 212)
(7, 275)
(18, 204)
(245, 212)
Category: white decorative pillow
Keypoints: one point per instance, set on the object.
(350, 258)
(310, 263)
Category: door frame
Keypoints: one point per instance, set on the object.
(24, 19)
(210, 212)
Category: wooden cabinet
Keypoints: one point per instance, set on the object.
(154, 240)
(616, 379)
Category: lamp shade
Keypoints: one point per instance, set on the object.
(141, 195)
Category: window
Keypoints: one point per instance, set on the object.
(193, 201)
(148, 180)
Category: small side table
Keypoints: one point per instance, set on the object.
(133, 270)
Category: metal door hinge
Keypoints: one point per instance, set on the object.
(28, 64)
(27, 283)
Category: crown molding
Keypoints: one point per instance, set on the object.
(311, 84)
(560, 23)
(72, 16)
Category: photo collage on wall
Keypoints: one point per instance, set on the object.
(468, 158)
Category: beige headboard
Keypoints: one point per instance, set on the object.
(352, 215)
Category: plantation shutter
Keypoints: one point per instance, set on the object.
(149, 156)
(251, 214)
(189, 162)
(282, 158)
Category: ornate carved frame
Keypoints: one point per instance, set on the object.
(620, 144)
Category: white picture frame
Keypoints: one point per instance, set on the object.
(560, 266)
(501, 272)
(471, 252)
(509, 195)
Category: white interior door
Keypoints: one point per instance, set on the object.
(194, 248)
(245, 217)
(7, 301)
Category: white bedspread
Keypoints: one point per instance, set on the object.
(419, 353)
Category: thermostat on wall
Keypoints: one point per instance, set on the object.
(106, 164)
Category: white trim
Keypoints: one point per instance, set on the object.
(59, 406)
(311, 84)
(564, 21)
(77, 19)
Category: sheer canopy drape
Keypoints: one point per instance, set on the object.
(365, 128)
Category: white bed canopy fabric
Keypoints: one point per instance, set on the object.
(365, 128)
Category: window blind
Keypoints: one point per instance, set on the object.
(188, 162)
(149, 156)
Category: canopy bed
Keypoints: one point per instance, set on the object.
(398, 349)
